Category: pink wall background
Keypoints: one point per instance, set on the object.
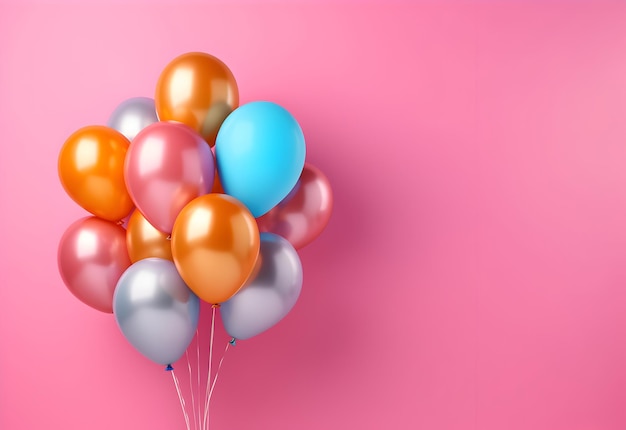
(473, 275)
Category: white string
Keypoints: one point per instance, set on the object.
(219, 366)
(206, 404)
(180, 398)
(198, 361)
(193, 401)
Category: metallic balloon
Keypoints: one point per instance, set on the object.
(132, 116)
(305, 212)
(215, 244)
(91, 169)
(260, 152)
(155, 310)
(270, 295)
(91, 257)
(217, 185)
(198, 90)
(145, 241)
(167, 166)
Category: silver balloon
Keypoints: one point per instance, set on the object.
(268, 298)
(133, 115)
(155, 310)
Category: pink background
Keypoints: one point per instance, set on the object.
(473, 275)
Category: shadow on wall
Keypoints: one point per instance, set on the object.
(326, 314)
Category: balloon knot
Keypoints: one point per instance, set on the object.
(233, 341)
(216, 305)
(120, 222)
(169, 368)
(169, 237)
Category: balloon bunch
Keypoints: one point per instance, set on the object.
(192, 197)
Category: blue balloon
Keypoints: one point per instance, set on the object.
(260, 154)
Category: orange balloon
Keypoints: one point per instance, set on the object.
(217, 184)
(198, 90)
(145, 241)
(91, 169)
(215, 244)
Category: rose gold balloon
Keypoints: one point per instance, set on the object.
(145, 241)
(198, 90)
(167, 166)
(304, 213)
(215, 244)
(92, 256)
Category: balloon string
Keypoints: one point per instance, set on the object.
(181, 399)
(219, 366)
(208, 379)
(193, 400)
(198, 375)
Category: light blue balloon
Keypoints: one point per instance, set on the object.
(260, 154)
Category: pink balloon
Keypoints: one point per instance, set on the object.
(304, 213)
(92, 256)
(167, 166)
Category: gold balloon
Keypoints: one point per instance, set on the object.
(91, 170)
(145, 241)
(198, 90)
(215, 245)
(217, 184)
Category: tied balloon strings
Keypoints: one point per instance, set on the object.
(180, 398)
(206, 403)
(198, 374)
(230, 343)
(193, 400)
(219, 366)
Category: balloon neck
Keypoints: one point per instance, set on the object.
(233, 341)
(169, 368)
(169, 237)
(216, 305)
(120, 222)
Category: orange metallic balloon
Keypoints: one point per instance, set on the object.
(145, 241)
(215, 244)
(217, 185)
(198, 90)
(91, 169)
